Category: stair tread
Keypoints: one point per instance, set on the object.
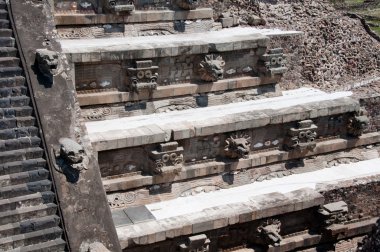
(23, 177)
(41, 246)
(27, 209)
(18, 224)
(29, 235)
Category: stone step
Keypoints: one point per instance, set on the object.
(26, 213)
(8, 52)
(29, 226)
(9, 61)
(32, 238)
(10, 71)
(14, 122)
(19, 143)
(7, 41)
(23, 177)
(3, 5)
(26, 201)
(24, 111)
(14, 133)
(13, 91)
(6, 32)
(19, 155)
(12, 81)
(3, 14)
(4, 23)
(24, 189)
(49, 246)
(22, 166)
(17, 101)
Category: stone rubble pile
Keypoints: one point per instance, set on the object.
(334, 51)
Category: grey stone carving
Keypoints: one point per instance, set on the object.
(302, 137)
(357, 124)
(212, 68)
(196, 243)
(187, 4)
(237, 146)
(273, 62)
(47, 62)
(168, 157)
(120, 5)
(269, 232)
(143, 76)
(333, 213)
(71, 159)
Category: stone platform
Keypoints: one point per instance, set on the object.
(208, 211)
(294, 105)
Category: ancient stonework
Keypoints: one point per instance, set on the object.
(333, 213)
(273, 62)
(167, 155)
(47, 62)
(211, 68)
(198, 243)
(303, 136)
(269, 231)
(143, 76)
(237, 146)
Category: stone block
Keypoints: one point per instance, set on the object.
(227, 22)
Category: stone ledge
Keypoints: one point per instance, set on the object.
(217, 217)
(173, 90)
(129, 48)
(156, 128)
(254, 160)
(133, 17)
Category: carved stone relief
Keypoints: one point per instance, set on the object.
(47, 62)
(269, 232)
(211, 68)
(119, 200)
(196, 243)
(237, 145)
(333, 213)
(357, 124)
(70, 159)
(302, 137)
(273, 62)
(143, 76)
(119, 5)
(167, 157)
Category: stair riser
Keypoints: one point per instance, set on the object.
(3, 15)
(16, 191)
(28, 215)
(18, 132)
(7, 42)
(15, 112)
(31, 240)
(26, 203)
(22, 166)
(12, 92)
(9, 62)
(6, 33)
(13, 156)
(21, 143)
(26, 177)
(8, 52)
(13, 72)
(12, 82)
(4, 23)
(11, 123)
(18, 101)
(31, 226)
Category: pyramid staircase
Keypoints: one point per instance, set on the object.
(28, 213)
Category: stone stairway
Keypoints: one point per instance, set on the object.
(28, 213)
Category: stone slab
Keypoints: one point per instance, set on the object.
(139, 214)
(214, 119)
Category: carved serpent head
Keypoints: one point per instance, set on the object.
(212, 68)
(237, 146)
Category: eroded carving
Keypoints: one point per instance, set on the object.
(357, 125)
(121, 199)
(47, 62)
(143, 76)
(212, 68)
(269, 232)
(273, 62)
(120, 5)
(237, 146)
(196, 243)
(168, 157)
(333, 213)
(187, 4)
(71, 159)
(302, 137)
